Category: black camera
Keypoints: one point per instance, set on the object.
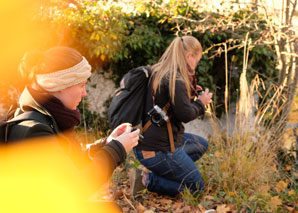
(157, 116)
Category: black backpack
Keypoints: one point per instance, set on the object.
(8, 121)
(128, 103)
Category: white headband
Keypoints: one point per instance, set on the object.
(56, 81)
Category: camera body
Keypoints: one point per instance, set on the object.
(158, 116)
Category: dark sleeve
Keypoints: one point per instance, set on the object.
(184, 109)
(109, 157)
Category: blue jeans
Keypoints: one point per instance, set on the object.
(172, 171)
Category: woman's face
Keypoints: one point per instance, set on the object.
(193, 59)
(72, 96)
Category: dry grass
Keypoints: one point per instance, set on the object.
(242, 163)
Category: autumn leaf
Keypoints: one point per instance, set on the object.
(149, 211)
(201, 208)
(165, 201)
(292, 192)
(281, 185)
(140, 208)
(264, 190)
(232, 194)
(217, 154)
(290, 209)
(275, 201)
(288, 167)
(222, 208)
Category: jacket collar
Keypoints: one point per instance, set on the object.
(27, 103)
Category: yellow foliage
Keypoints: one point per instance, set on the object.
(288, 167)
(291, 192)
(102, 57)
(275, 202)
(217, 154)
(223, 209)
(281, 185)
(264, 190)
(232, 194)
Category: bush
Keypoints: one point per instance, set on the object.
(126, 35)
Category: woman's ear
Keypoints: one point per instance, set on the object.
(188, 57)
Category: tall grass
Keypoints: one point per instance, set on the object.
(241, 163)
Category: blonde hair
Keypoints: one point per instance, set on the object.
(173, 64)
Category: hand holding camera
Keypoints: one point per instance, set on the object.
(125, 135)
(205, 96)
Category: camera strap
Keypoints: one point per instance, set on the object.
(169, 127)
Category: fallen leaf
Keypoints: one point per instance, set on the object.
(186, 209)
(290, 209)
(217, 154)
(165, 201)
(275, 201)
(264, 189)
(177, 205)
(232, 194)
(201, 208)
(288, 167)
(281, 185)
(222, 208)
(149, 211)
(291, 192)
(273, 168)
(141, 208)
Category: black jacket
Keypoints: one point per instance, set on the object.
(182, 110)
(44, 124)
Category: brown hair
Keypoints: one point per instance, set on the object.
(51, 60)
(173, 64)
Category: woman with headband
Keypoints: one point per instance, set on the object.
(173, 86)
(56, 85)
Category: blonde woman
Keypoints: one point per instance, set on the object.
(173, 81)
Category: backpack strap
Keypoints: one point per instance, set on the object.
(169, 127)
(28, 115)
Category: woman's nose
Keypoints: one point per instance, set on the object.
(84, 93)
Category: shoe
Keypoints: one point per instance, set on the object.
(136, 184)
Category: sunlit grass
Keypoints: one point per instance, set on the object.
(240, 166)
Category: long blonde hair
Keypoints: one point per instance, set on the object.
(173, 64)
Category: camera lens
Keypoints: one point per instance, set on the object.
(155, 118)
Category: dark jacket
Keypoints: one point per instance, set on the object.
(182, 110)
(44, 124)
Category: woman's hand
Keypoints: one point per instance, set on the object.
(123, 134)
(198, 88)
(205, 97)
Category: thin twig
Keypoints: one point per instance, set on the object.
(129, 202)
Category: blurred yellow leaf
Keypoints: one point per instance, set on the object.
(102, 57)
(292, 192)
(201, 208)
(165, 201)
(273, 168)
(217, 154)
(231, 194)
(223, 208)
(290, 209)
(275, 201)
(281, 185)
(288, 167)
(141, 208)
(264, 190)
